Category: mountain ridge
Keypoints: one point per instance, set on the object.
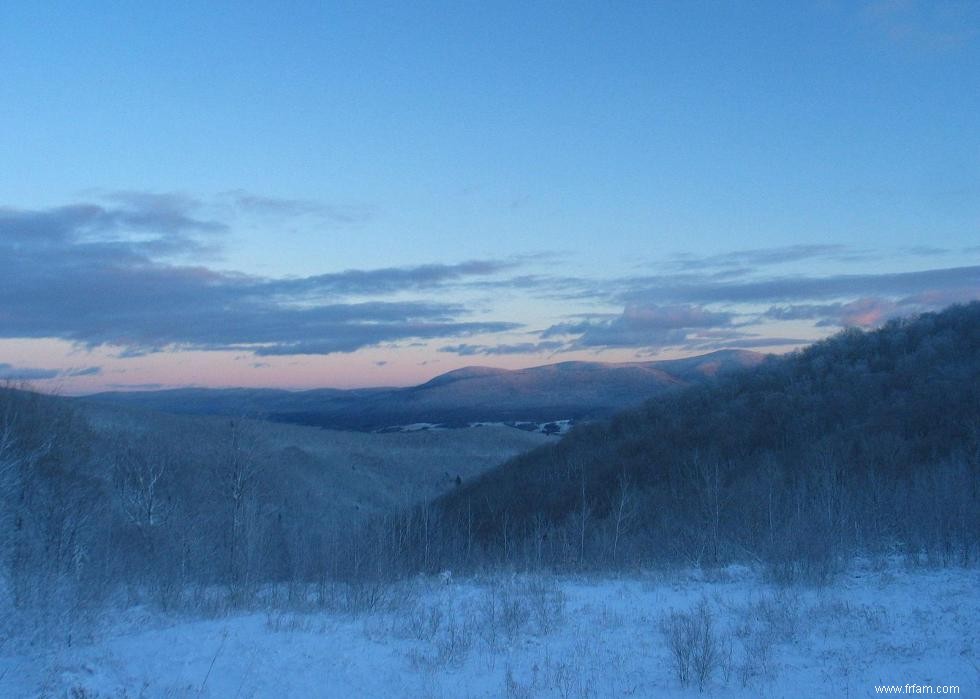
(565, 390)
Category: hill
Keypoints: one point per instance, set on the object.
(865, 442)
(341, 475)
(564, 391)
(94, 497)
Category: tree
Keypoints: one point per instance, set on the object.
(141, 471)
(624, 511)
(239, 468)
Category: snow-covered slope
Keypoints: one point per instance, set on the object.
(540, 637)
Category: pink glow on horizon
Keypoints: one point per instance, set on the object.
(364, 369)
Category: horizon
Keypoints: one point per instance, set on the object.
(154, 388)
(360, 196)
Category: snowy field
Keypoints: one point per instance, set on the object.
(652, 635)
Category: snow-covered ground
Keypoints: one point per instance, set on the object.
(551, 427)
(517, 636)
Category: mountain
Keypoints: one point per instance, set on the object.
(865, 443)
(563, 391)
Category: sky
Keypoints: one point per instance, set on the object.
(314, 194)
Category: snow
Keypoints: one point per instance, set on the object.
(551, 427)
(528, 636)
(415, 427)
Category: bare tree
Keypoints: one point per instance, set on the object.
(239, 468)
(141, 472)
(708, 481)
(624, 511)
(584, 515)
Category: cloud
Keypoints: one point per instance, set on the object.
(800, 288)
(136, 386)
(154, 211)
(698, 311)
(751, 342)
(759, 257)
(137, 227)
(86, 371)
(8, 372)
(926, 251)
(862, 313)
(249, 202)
(466, 350)
(100, 275)
(922, 25)
(871, 311)
(388, 280)
(349, 337)
(639, 326)
(113, 272)
(740, 277)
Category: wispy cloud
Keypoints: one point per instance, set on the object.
(467, 350)
(111, 273)
(764, 257)
(923, 25)
(803, 288)
(390, 279)
(136, 386)
(756, 342)
(98, 222)
(98, 275)
(871, 311)
(700, 310)
(9, 372)
(351, 336)
(641, 326)
(252, 203)
(85, 371)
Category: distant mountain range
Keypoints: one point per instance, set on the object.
(564, 391)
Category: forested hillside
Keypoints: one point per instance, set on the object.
(96, 501)
(866, 442)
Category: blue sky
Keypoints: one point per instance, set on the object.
(362, 194)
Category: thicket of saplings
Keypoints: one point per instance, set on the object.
(865, 444)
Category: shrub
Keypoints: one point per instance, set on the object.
(694, 646)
